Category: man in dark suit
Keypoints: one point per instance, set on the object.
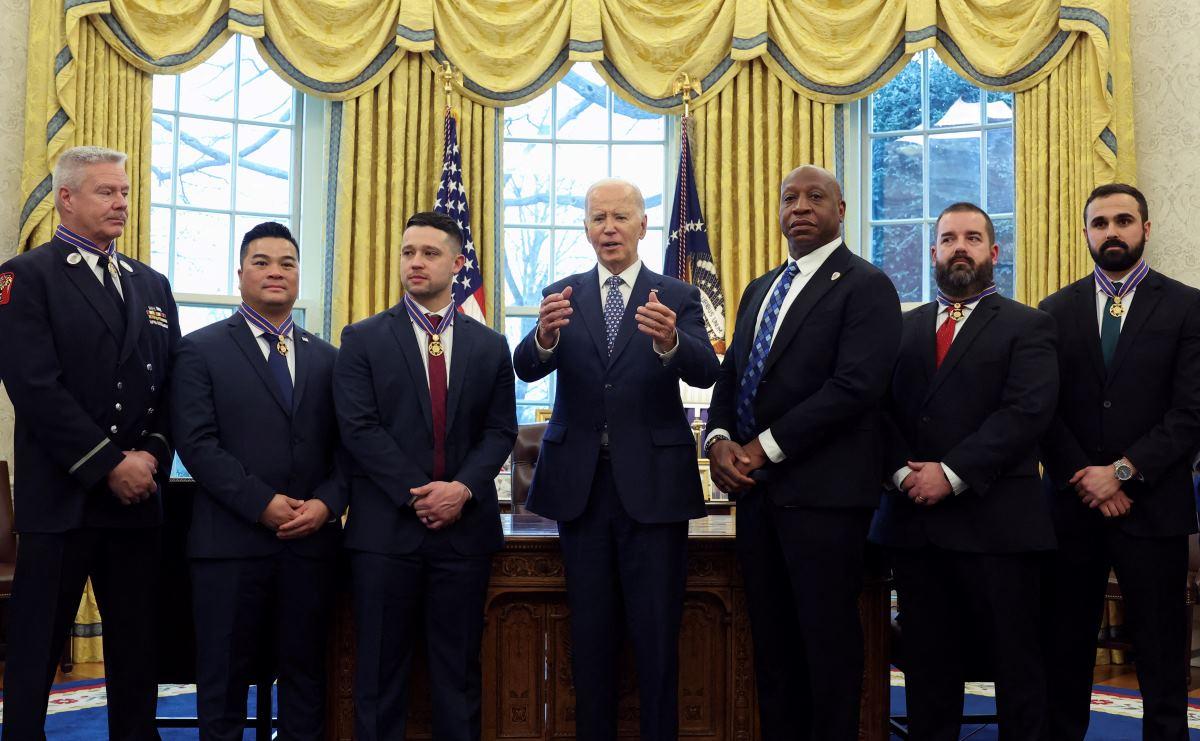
(253, 417)
(964, 518)
(617, 467)
(88, 339)
(1117, 462)
(793, 433)
(426, 401)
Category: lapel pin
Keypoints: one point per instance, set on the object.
(73, 258)
(127, 266)
(835, 276)
(304, 338)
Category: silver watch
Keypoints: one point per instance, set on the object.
(1122, 471)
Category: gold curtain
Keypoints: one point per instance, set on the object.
(391, 148)
(746, 139)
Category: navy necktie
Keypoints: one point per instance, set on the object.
(748, 387)
(1110, 330)
(614, 309)
(277, 364)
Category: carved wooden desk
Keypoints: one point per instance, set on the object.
(527, 691)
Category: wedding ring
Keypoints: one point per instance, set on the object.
(920, 499)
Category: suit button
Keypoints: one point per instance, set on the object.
(144, 433)
(608, 387)
(153, 388)
(117, 406)
(149, 366)
(925, 420)
(1107, 404)
(150, 410)
(120, 385)
(113, 429)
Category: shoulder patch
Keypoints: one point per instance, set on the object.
(6, 285)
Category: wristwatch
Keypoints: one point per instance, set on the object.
(1122, 471)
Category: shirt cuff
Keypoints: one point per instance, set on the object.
(714, 436)
(957, 484)
(544, 353)
(899, 476)
(665, 357)
(770, 447)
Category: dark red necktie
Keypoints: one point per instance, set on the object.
(437, 402)
(945, 336)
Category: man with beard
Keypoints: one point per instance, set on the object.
(1117, 466)
(793, 433)
(964, 518)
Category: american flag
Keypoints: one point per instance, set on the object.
(452, 201)
(688, 256)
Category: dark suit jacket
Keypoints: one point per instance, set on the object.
(382, 397)
(243, 446)
(632, 392)
(1147, 407)
(81, 396)
(824, 379)
(981, 414)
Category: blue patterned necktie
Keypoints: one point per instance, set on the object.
(277, 364)
(614, 308)
(758, 354)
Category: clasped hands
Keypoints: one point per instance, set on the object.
(132, 481)
(292, 519)
(927, 484)
(730, 464)
(653, 318)
(1099, 488)
(439, 504)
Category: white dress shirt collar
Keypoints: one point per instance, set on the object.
(812, 262)
(628, 275)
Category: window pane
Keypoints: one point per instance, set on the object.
(578, 166)
(162, 156)
(192, 318)
(642, 165)
(953, 170)
(263, 95)
(582, 105)
(527, 169)
(1005, 275)
(896, 185)
(631, 122)
(1001, 180)
(164, 92)
(651, 250)
(160, 239)
(527, 257)
(999, 107)
(953, 101)
(572, 253)
(205, 150)
(897, 105)
(201, 252)
(264, 169)
(529, 120)
(208, 88)
(898, 251)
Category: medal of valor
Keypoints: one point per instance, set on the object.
(435, 345)
(435, 348)
(281, 346)
(113, 271)
(260, 321)
(1117, 293)
(956, 309)
(1116, 309)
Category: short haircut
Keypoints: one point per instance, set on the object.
(68, 171)
(1114, 189)
(438, 221)
(267, 229)
(965, 207)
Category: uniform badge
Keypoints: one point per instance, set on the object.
(74, 258)
(6, 284)
(157, 317)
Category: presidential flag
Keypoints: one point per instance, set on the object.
(688, 257)
(452, 201)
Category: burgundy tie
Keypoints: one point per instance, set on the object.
(437, 401)
(945, 336)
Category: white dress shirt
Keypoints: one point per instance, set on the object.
(446, 337)
(265, 344)
(806, 266)
(93, 262)
(956, 483)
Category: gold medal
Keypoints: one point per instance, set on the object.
(281, 347)
(435, 345)
(1116, 309)
(956, 312)
(112, 269)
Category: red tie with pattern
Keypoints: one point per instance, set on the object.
(437, 402)
(945, 336)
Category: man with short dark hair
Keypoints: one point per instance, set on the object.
(254, 420)
(793, 434)
(88, 339)
(1118, 467)
(964, 519)
(426, 401)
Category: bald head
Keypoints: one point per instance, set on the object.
(810, 209)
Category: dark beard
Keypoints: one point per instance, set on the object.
(1117, 261)
(963, 280)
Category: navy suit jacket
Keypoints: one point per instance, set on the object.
(81, 395)
(243, 446)
(981, 413)
(822, 384)
(383, 407)
(1146, 407)
(632, 392)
